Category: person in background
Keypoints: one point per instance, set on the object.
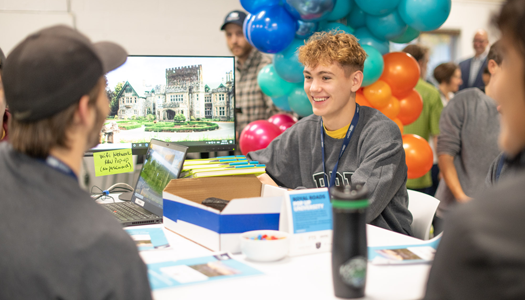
(427, 125)
(4, 112)
(480, 255)
(467, 144)
(57, 242)
(472, 68)
(448, 76)
(342, 143)
(251, 104)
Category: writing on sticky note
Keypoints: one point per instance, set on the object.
(113, 162)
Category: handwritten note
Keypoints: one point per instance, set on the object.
(113, 162)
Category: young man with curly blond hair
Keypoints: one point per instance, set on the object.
(342, 143)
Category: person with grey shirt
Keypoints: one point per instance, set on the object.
(373, 155)
(467, 144)
(56, 241)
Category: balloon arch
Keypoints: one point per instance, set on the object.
(280, 27)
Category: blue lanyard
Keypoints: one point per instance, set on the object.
(56, 164)
(346, 141)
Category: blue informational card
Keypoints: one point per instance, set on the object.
(170, 274)
(148, 238)
(311, 211)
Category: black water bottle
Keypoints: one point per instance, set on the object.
(349, 246)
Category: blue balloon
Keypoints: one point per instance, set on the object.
(378, 7)
(335, 26)
(310, 10)
(424, 15)
(245, 26)
(341, 9)
(356, 18)
(299, 102)
(282, 103)
(253, 6)
(373, 65)
(366, 38)
(287, 63)
(408, 36)
(271, 30)
(306, 29)
(386, 27)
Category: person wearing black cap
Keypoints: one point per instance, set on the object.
(4, 112)
(57, 243)
(251, 103)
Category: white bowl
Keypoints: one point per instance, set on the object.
(265, 250)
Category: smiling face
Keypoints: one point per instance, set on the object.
(509, 92)
(331, 92)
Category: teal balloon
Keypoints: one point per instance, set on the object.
(341, 9)
(287, 63)
(373, 65)
(408, 36)
(282, 103)
(299, 102)
(425, 15)
(335, 26)
(386, 27)
(305, 29)
(366, 38)
(356, 18)
(271, 84)
(378, 7)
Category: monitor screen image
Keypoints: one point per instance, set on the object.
(185, 99)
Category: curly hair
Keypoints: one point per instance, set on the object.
(326, 48)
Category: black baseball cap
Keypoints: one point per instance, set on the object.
(235, 17)
(52, 69)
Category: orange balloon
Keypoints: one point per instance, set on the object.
(418, 155)
(361, 100)
(399, 124)
(410, 107)
(378, 94)
(392, 109)
(401, 72)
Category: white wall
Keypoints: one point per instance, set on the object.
(168, 27)
(469, 16)
(177, 26)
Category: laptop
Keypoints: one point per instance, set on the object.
(163, 163)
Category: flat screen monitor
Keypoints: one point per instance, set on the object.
(189, 100)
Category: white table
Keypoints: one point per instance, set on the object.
(301, 277)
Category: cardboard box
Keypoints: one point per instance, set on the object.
(252, 206)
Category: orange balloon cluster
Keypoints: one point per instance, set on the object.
(393, 94)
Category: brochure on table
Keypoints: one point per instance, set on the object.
(307, 216)
(169, 274)
(148, 238)
(406, 254)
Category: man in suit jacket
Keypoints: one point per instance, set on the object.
(472, 68)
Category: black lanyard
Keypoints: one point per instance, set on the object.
(56, 164)
(346, 141)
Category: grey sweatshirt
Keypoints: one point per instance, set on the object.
(56, 242)
(469, 128)
(374, 156)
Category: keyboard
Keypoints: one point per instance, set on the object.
(127, 211)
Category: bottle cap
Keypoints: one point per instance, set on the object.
(349, 197)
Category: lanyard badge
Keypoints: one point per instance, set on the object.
(346, 141)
